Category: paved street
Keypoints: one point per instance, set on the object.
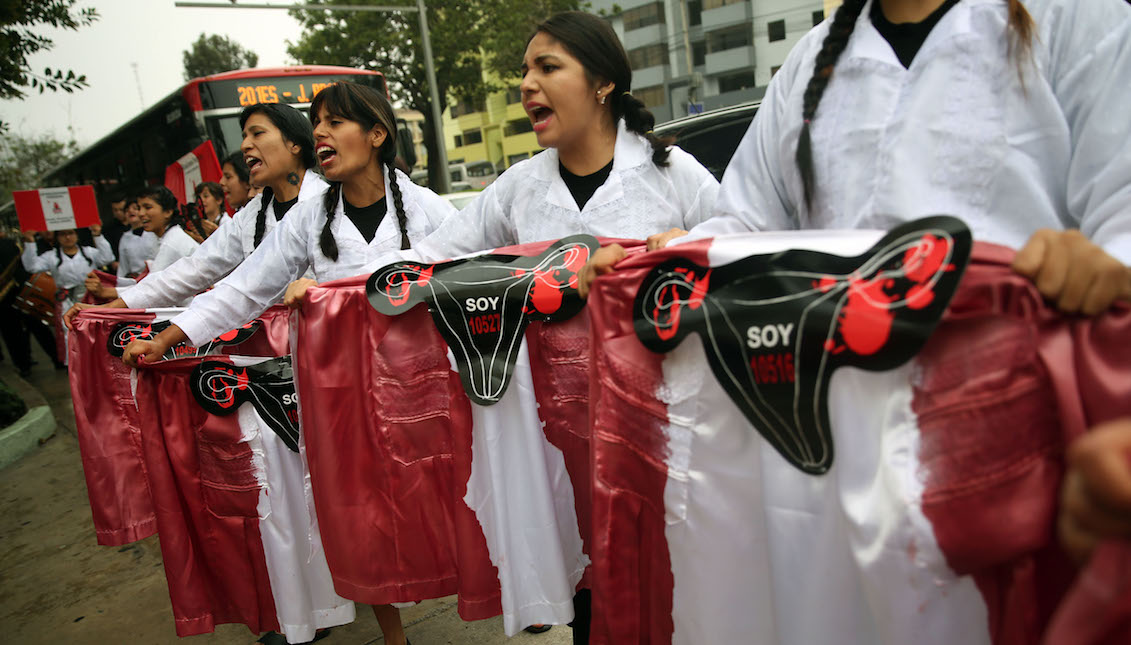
(58, 586)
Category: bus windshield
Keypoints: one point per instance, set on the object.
(225, 130)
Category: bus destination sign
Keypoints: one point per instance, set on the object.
(251, 91)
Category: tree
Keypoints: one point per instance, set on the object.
(18, 41)
(214, 54)
(24, 159)
(468, 37)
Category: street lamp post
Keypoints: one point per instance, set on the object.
(429, 66)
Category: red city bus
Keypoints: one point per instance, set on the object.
(138, 152)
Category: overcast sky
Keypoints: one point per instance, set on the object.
(151, 33)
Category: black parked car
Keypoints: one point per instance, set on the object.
(712, 137)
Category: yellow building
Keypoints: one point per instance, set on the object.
(494, 129)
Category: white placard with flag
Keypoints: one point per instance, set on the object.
(56, 208)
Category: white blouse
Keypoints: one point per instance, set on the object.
(174, 245)
(134, 251)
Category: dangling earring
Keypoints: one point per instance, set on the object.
(603, 97)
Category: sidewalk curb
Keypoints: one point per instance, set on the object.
(26, 434)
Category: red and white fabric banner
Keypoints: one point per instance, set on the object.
(935, 523)
(54, 209)
(191, 170)
(106, 415)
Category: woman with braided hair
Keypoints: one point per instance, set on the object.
(1003, 113)
(334, 236)
(278, 146)
(68, 263)
(603, 171)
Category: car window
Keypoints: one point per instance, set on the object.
(481, 169)
(715, 144)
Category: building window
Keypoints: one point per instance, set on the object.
(468, 106)
(695, 12)
(777, 30)
(736, 82)
(651, 96)
(649, 56)
(459, 142)
(818, 17)
(774, 70)
(649, 14)
(699, 53)
(514, 95)
(715, 4)
(723, 40)
(472, 136)
(513, 159)
(518, 126)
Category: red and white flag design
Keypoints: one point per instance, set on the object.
(191, 170)
(54, 209)
(239, 539)
(106, 416)
(934, 523)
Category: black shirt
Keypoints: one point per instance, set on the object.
(281, 208)
(366, 218)
(906, 38)
(582, 188)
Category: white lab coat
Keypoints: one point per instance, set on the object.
(958, 133)
(69, 271)
(174, 245)
(293, 247)
(134, 251)
(217, 256)
(530, 202)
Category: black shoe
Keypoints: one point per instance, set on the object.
(538, 629)
(275, 638)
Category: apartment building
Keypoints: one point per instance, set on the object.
(493, 128)
(693, 55)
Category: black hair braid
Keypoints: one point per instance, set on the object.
(59, 255)
(176, 219)
(261, 219)
(840, 30)
(402, 219)
(326, 240)
(638, 119)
